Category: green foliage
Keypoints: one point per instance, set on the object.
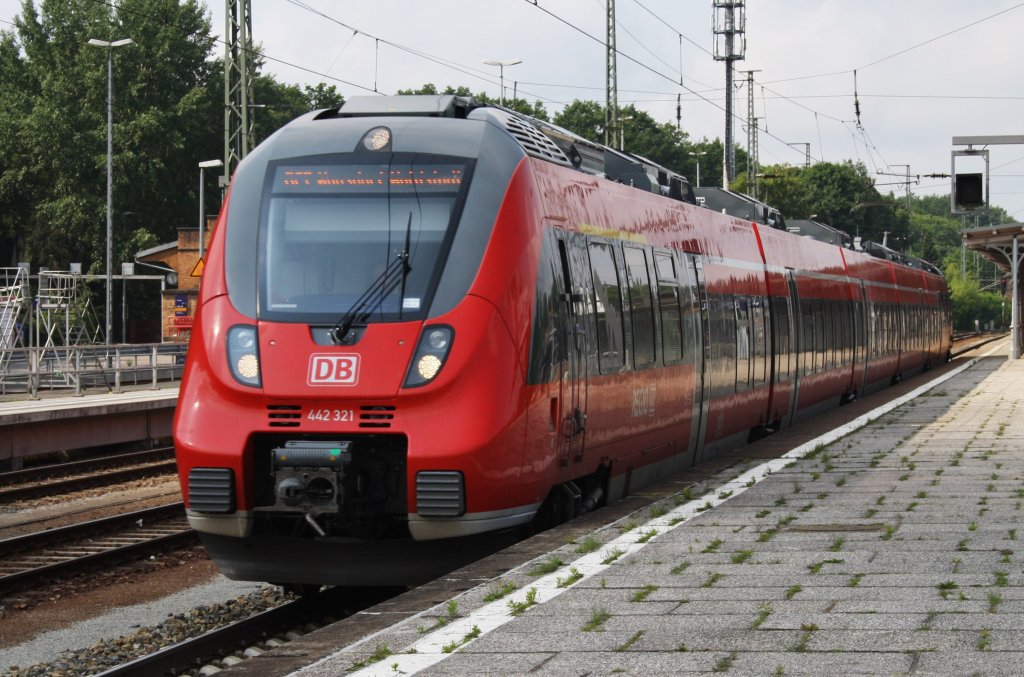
(168, 115)
(970, 303)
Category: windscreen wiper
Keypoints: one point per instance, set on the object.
(394, 274)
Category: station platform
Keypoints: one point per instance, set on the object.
(58, 423)
(891, 544)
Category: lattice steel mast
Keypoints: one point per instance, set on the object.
(239, 65)
(611, 111)
(730, 19)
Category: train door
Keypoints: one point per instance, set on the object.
(573, 260)
(702, 353)
(797, 341)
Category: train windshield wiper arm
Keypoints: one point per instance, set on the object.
(393, 275)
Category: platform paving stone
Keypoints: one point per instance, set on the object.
(892, 551)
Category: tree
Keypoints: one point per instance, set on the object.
(523, 106)
(160, 98)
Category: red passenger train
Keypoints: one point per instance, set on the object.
(424, 321)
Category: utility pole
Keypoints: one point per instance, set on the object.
(752, 161)
(611, 111)
(238, 74)
(730, 19)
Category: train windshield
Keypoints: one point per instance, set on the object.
(330, 230)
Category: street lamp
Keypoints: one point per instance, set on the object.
(698, 156)
(206, 164)
(501, 65)
(110, 161)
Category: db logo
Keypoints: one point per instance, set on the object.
(333, 370)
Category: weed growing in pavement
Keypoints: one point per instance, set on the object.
(574, 575)
(945, 588)
(515, 608)
(741, 556)
(548, 566)
(724, 664)
(855, 580)
(994, 600)
(837, 544)
(1002, 578)
(801, 645)
(888, 531)
(793, 590)
(643, 593)
(762, 513)
(763, 612)
(647, 535)
(380, 653)
(822, 496)
(1005, 556)
(502, 590)
(921, 494)
(680, 568)
(983, 640)
(452, 609)
(630, 642)
(713, 578)
(657, 511)
(588, 544)
(817, 566)
(962, 545)
(612, 556)
(713, 545)
(597, 618)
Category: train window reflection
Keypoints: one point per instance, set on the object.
(330, 231)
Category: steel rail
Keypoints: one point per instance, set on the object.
(75, 533)
(337, 602)
(14, 477)
(70, 484)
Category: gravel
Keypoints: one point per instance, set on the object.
(129, 632)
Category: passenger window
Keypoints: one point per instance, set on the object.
(607, 307)
(668, 302)
(742, 345)
(641, 307)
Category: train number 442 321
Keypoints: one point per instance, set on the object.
(331, 415)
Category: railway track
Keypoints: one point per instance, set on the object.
(34, 559)
(328, 606)
(62, 478)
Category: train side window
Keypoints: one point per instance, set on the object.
(742, 344)
(758, 323)
(607, 307)
(806, 337)
(780, 330)
(668, 303)
(641, 307)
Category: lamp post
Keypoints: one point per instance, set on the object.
(110, 162)
(206, 164)
(698, 156)
(501, 64)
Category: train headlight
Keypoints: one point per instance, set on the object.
(431, 353)
(244, 354)
(377, 139)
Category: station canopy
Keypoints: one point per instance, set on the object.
(995, 243)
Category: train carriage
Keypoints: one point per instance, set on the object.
(425, 323)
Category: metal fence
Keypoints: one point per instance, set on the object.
(77, 369)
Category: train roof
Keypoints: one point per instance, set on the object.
(551, 143)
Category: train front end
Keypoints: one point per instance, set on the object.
(351, 408)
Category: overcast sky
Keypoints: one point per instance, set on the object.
(926, 70)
